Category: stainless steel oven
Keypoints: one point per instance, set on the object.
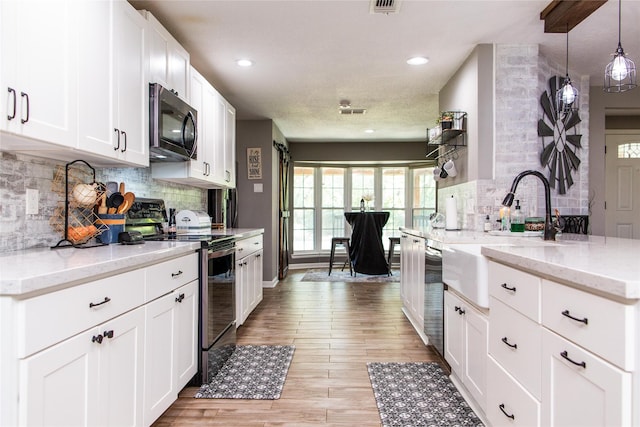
(217, 305)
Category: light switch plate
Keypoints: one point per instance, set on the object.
(257, 188)
(32, 202)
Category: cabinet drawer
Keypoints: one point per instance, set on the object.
(248, 246)
(580, 389)
(506, 398)
(602, 326)
(514, 341)
(51, 318)
(517, 289)
(169, 275)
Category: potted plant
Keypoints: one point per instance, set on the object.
(446, 120)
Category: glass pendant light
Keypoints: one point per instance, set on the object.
(567, 96)
(620, 74)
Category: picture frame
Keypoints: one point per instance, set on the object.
(254, 163)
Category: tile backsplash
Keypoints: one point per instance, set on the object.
(21, 172)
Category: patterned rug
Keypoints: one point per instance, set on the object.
(418, 394)
(252, 372)
(322, 275)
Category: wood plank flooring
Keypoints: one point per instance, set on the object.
(337, 328)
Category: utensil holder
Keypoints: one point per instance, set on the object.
(110, 225)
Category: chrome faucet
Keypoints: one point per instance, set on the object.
(549, 230)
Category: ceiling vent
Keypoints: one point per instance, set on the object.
(385, 6)
(352, 111)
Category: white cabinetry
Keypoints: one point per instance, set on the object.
(465, 345)
(107, 350)
(168, 60)
(83, 86)
(248, 276)
(38, 70)
(412, 269)
(561, 364)
(215, 165)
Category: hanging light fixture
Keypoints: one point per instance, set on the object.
(620, 74)
(567, 95)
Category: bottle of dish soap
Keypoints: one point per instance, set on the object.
(487, 224)
(517, 219)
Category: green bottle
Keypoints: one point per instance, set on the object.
(517, 219)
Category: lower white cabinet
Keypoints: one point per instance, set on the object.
(92, 378)
(170, 343)
(248, 277)
(412, 269)
(465, 345)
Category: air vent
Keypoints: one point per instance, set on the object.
(385, 6)
(352, 111)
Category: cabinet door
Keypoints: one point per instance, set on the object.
(230, 145)
(405, 263)
(454, 332)
(242, 278)
(59, 385)
(257, 282)
(417, 279)
(178, 67)
(198, 168)
(131, 100)
(159, 375)
(580, 389)
(475, 358)
(121, 370)
(186, 324)
(40, 69)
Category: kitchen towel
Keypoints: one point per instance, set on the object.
(451, 214)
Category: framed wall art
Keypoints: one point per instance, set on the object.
(254, 163)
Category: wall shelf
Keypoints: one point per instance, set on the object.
(448, 133)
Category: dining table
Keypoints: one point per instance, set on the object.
(367, 251)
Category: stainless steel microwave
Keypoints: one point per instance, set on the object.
(173, 134)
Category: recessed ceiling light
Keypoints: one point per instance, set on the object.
(417, 60)
(369, 131)
(244, 62)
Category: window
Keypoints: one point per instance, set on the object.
(321, 195)
(630, 150)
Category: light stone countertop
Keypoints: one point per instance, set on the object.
(238, 233)
(36, 271)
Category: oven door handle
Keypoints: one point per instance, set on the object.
(220, 252)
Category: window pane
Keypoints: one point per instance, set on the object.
(333, 188)
(303, 229)
(424, 196)
(303, 192)
(303, 209)
(333, 225)
(362, 185)
(630, 150)
(393, 186)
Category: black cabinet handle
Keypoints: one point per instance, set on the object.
(176, 274)
(565, 356)
(501, 406)
(124, 148)
(97, 338)
(106, 300)
(179, 298)
(108, 334)
(504, 286)
(506, 341)
(456, 308)
(117, 139)
(583, 320)
(26, 96)
(12, 91)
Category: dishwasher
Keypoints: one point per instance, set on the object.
(434, 298)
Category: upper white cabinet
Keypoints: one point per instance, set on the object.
(38, 70)
(168, 60)
(113, 98)
(82, 86)
(215, 163)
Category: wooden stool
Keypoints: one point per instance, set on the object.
(393, 241)
(344, 241)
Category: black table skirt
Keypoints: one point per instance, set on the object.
(367, 250)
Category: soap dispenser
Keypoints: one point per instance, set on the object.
(517, 219)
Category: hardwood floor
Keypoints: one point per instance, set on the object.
(336, 328)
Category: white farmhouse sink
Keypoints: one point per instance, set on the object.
(464, 269)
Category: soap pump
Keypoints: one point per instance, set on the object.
(517, 219)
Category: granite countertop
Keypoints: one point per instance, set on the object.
(599, 264)
(34, 271)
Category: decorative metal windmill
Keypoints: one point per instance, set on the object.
(560, 139)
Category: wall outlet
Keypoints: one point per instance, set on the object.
(32, 202)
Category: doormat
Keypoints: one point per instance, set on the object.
(322, 275)
(252, 372)
(418, 394)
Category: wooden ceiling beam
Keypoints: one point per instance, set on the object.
(561, 16)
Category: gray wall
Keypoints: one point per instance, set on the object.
(600, 102)
(358, 151)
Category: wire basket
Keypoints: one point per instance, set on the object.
(75, 217)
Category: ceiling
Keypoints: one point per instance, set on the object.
(311, 54)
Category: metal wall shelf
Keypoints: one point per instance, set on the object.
(454, 136)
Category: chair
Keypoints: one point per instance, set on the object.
(344, 241)
(393, 241)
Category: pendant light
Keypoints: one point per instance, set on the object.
(567, 96)
(620, 74)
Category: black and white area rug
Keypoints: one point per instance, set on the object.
(418, 394)
(322, 275)
(252, 372)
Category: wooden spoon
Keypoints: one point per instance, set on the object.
(123, 207)
(102, 209)
(129, 198)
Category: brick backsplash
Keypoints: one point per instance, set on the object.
(20, 172)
